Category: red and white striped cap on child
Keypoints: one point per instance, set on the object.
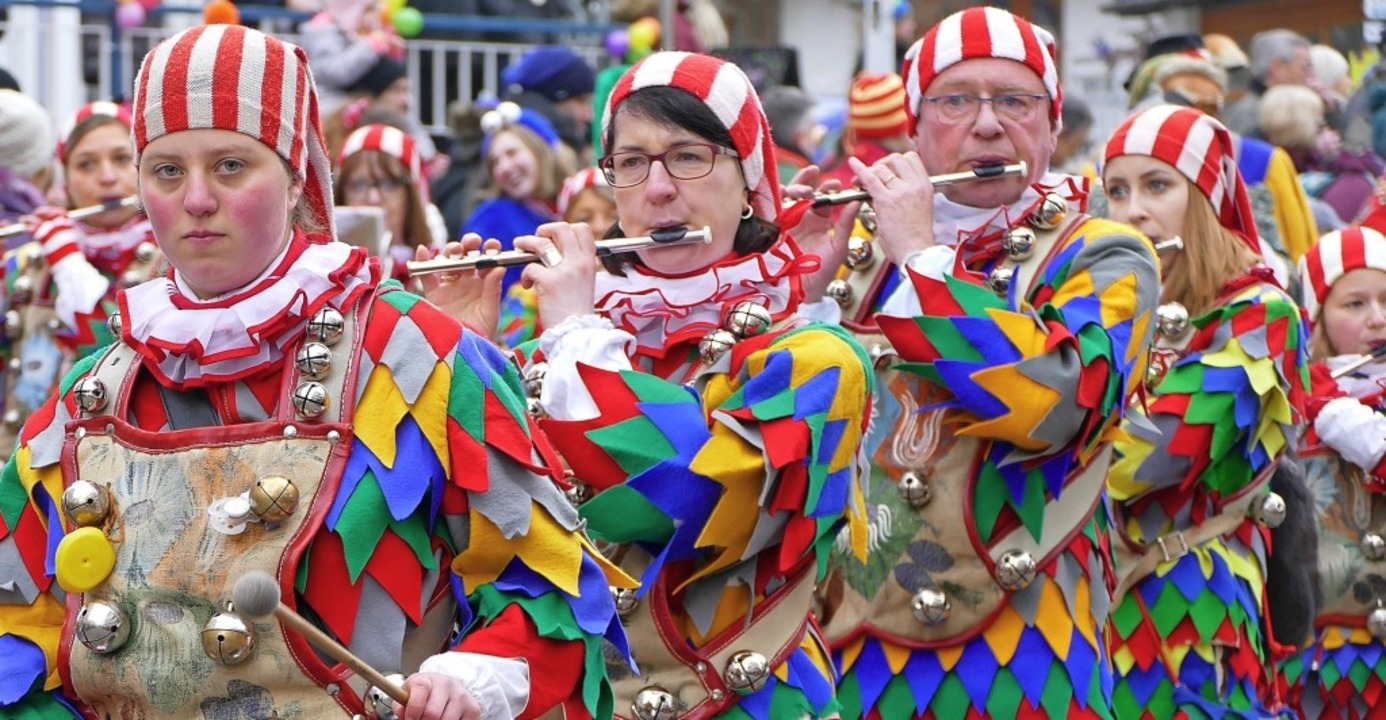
(588, 177)
(725, 90)
(980, 32)
(1335, 255)
(229, 77)
(106, 108)
(393, 142)
(1201, 149)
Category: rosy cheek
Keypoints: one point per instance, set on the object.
(162, 210)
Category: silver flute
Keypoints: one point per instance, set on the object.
(986, 172)
(485, 261)
(79, 214)
(1376, 354)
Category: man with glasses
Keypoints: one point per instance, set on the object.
(1022, 326)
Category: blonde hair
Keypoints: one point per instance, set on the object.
(551, 166)
(1291, 116)
(1212, 257)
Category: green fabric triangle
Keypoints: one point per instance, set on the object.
(1004, 699)
(621, 515)
(989, 496)
(38, 705)
(1168, 610)
(1031, 510)
(1207, 613)
(401, 301)
(951, 343)
(362, 524)
(849, 696)
(467, 404)
(301, 573)
(413, 530)
(1359, 674)
(82, 367)
(1329, 674)
(973, 298)
(1097, 699)
(950, 702)
(1127, 617)
(927, 371)
(896, 701)
(13, 497)
(650, 388)
(1058, 693)
(636, 444)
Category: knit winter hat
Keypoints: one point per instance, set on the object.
(26, 134)
(876, 106)
(119, 111)
(1336, 254)
(1201, 149)
(725, 90)
(229, 77)
(554, 71)
(980, 32)
(588, 177)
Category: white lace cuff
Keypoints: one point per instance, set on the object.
(1355, 430)
(587, 339)
(934, 262)
(499, 685)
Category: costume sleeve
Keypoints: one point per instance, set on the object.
(31, 605)
(447, 473)
(761, 461)
(1050, 375)
(1298, 232)
(519, 316)
(1225, 410)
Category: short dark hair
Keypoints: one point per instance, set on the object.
(676, 108)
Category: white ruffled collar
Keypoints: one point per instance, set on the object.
(663, 311)
(954, 222)
(189, 342)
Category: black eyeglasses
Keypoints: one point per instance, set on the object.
(1016, 107)
(688, 161)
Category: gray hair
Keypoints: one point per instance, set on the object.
(1272, 45)
(1290, 116)
(788, 109)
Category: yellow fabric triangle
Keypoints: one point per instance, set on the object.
(1052, 620)
(376, 429)
(1003, 636)
(1029, 402)
(430, 411)
(547, 549)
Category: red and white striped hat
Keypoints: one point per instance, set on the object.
(1335, 255)
(725, 90)
(119, 111)
(588, 177)
(1201, 149)
(393, 142)
(229, 77)
(980, 32)
(876, 106)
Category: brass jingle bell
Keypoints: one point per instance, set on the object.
(655, 703)
(14, 324)
(379, 704)
(90, 394)
(747, 319)
(715, 344)
(534, 378)
(931, 606)
(1051, 211)
(578, 493)
(101, 627)
(1271, 510)
(1376, 622)
(1000, 279)
(273, 498)
(313, 360)
(1172, 320)
(1018, 242)
(327, 325)
(625, 599)
(866, 215)
(840, 291)
(1373, 546)
(115, 324)
(227, 638)
(146, 251)
(1015, 570)
(310, 399)
(748, 671)
(861, 253)
(86, 503)
(22, 291)
(914, 490)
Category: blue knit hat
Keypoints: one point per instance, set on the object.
(556, 72)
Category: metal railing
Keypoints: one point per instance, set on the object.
(440, 70)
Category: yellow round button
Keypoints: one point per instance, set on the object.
(85, 558)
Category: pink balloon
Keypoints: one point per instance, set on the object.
(129, 15)
(149, 4)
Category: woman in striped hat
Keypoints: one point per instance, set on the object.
(717, 430)
(1344, 281)
(269, 408)
(61, 288)
(379, 166)
(1191, 488)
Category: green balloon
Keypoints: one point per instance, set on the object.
(408, 21)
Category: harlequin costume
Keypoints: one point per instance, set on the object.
(368, 452)
(59, 291)
(1190, 633)
(986, 589)
(720, 434)
(1344, 672)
